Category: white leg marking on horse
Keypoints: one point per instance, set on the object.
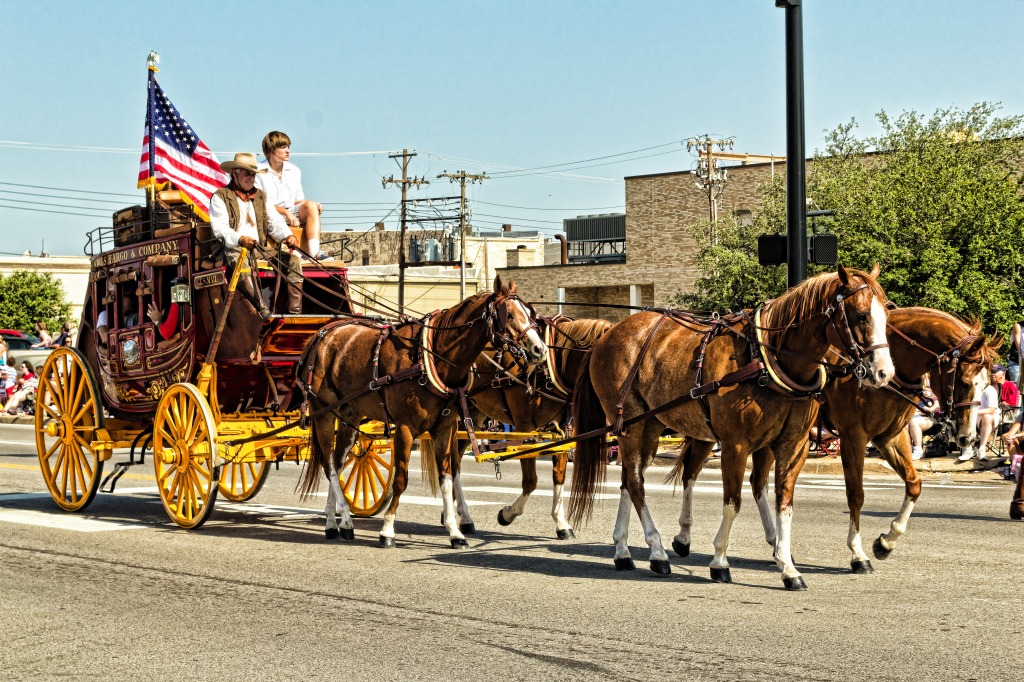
(621, 532)
(461, 506)
(783, 552)
(652, 536)
(449, 508)
(686, 514)
(388, 529)
(899, 525)
(720, 560)
(764, 508)
(557, 511)
(853, 541)
(515, 509)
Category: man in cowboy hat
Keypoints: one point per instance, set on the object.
(240, 217)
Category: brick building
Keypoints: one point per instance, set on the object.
(659, 251)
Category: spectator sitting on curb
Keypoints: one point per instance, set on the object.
(988, 413)
(923, 419)
(26, 388)
(8, 376)
(1009, 396)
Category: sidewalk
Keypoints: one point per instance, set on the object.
(24, 419)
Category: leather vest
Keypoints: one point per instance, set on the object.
(259, 204)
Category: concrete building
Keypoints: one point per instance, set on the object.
(659, 249)
(71, 271)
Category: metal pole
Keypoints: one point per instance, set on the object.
(796, 171)
(462, 239)
(401, 235)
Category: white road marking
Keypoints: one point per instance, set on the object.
(62, 521)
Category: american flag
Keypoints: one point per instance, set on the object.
(172, 152)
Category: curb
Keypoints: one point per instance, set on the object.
(972, 470)
(11, 419)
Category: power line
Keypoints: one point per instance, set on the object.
(43, 210)
(68, 189)
(596, 158)
(55, 196)
(537, 208)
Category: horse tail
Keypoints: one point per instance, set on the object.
(314, 469)
(428, 463)
(590, 463)
(675, 474)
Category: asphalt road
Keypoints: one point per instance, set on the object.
(120, 593)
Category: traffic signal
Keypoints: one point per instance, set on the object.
(822, 249)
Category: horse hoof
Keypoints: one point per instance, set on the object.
(879, 550)
(681, 549)
(501, 518)
(386, 542)
(862, 567)
(566, 534)
(660, 566)
(331, 533)
(796, 584)
(467, 528)
(624, 564)
(721, 575)
(459, 543)
(348, 534)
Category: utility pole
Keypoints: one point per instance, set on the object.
(708, 176)
(796, 171)
(404, 183)
(462, 177)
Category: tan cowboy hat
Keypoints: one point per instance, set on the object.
(243, 160)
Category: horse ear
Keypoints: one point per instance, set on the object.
(499, 286)
(844, 276)
(512, 286)
(875, 270)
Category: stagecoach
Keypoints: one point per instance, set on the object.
(215, 403)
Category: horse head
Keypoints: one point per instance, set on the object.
(959, 377)
(513, 324)
(858, 317)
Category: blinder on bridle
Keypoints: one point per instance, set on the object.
(836, 314)
(496, 314)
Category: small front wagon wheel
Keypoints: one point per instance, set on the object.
(240, 481)
(367, 475)
(68, 413)
(185, 455)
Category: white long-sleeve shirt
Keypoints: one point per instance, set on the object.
(247, 224)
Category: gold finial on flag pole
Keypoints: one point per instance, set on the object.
(153, 60)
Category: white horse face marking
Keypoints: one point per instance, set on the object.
(531, 343)
(880, 367)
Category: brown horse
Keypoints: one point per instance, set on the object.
(785, 344)
(531, 401)
(435, 355)
(922, 341)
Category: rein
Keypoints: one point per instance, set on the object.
(952, 356)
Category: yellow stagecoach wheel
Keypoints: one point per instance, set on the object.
(185, 455)
(240, 481)
(68, 412)
(367, 475)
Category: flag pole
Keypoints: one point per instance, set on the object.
(151, 67)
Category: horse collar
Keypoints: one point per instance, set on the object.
(778, 379)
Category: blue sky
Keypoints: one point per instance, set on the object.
(475, 86)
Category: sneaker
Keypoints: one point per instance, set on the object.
(322, 255)
(916, 453)
(982, 457)
(966, 454)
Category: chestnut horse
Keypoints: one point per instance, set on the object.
(922, 341)
(531, 401)
(784, 343)
(436, 354)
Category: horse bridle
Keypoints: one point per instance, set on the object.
(496, 316)
(836, 314)
(953, 356)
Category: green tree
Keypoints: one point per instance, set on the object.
(937, 201)
(27, 297)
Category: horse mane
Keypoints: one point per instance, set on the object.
(969, 326)
(807, 299)
(582, 332)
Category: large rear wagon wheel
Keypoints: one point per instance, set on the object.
(240, 481)
(185, 455)
(68, 413)
(367, 476)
